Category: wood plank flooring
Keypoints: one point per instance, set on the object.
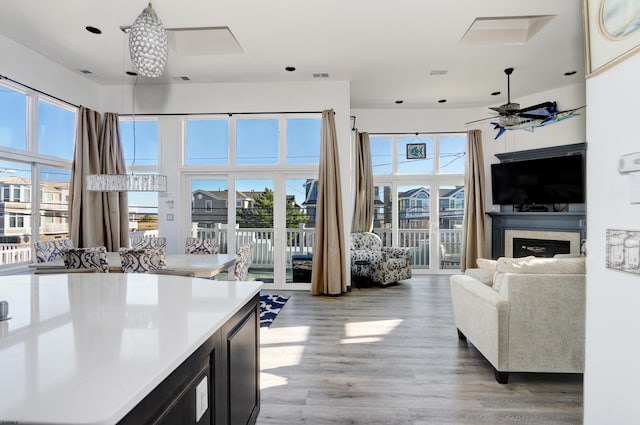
(391, 356)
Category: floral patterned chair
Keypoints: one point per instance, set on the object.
(148, 242)
(243, 262)
(86, 258)
(141, 260)
(383, 265)
(51, 250)
(201, 246)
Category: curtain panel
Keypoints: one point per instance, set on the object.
(115, 205)
(328, 274)
(474, 232)
(97, 218)
(363, 205)
(85, 208)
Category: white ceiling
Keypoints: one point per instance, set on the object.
(386, 49)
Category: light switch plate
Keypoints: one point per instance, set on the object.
(202, 399)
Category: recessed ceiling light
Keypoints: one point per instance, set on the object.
(569, 73)
(93, 30)
(442, 100)
(399, 101)
(495, 93)
(290, 68)
(131, 73)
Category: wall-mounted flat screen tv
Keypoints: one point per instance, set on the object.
(557, 180)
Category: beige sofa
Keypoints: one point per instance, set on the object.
(523, 314)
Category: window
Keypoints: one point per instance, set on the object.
(429, 193)
(56, 130)
(414, 166)
(207, 142)
(54, 218)
(303, 141)
(15, 219)
(257, 141)
(140, 147)
(13, 118)
(208, 205)
(48, 153)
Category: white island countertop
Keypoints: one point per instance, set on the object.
(87, 348)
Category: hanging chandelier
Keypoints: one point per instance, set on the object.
(126, 183)
(148, 44)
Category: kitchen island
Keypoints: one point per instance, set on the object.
(103, 348)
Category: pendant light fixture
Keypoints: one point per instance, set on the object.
(148, 44)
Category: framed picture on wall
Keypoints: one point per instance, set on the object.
(416, 150)
(612, 32)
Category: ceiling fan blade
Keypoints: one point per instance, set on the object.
(534, 116)
(543, 105)
(482, 119)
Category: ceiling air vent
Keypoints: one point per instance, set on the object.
(320, 75)
(437, 72)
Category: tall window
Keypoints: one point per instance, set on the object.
(29, 213)
(429, 195)
(141, 156)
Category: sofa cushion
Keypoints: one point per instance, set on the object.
(536, 265)
(487, 270)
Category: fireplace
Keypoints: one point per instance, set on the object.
(505, 226)
(523, 247)
(521, 243)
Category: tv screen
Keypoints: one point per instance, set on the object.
(557, 180)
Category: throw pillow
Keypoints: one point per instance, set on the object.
(487, 270)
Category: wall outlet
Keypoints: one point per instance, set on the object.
(202, 399)
(169, 217)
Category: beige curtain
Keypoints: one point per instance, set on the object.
(86, 227)
(473, 236)
(363, 207)
(114, 204)
(328, 275)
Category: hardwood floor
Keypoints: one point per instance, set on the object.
(391, 356)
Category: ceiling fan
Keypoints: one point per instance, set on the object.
(511, 114)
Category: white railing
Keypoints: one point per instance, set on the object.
(11, 253)
(300, 241)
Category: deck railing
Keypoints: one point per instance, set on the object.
(300, 241)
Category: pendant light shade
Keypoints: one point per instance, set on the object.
(148, 44)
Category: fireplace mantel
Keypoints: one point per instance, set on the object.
(537, 221)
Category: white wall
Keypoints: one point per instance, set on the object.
(613, 316)
(34, 70)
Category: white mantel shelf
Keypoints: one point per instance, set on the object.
(87, 348)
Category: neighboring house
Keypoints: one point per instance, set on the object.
(413, 211)
(451, 208)
(16, 209)
(310, 201)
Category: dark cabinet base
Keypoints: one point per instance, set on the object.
(229, 360)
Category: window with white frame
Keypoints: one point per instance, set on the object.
(140, 140)
(27, 157)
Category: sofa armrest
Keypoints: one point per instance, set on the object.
(479, 313)
(546, 321)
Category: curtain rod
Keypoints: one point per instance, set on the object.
(4, 77)
(221, 113)
(416, 133)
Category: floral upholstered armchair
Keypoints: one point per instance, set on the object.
(383, 265)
